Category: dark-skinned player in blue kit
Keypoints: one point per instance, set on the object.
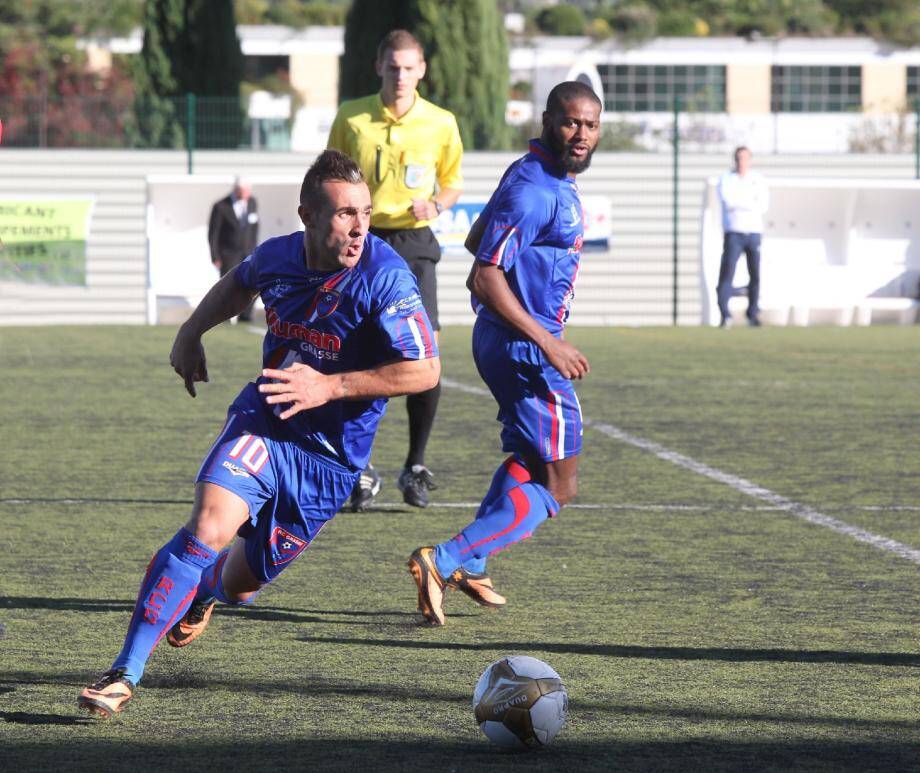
(527, 244)
(346, 330)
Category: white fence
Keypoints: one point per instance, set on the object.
(630, 284)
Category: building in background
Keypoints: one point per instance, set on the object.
(776, 95)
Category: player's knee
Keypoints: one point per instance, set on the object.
(209, 525)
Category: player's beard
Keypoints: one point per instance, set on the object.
(562, 151)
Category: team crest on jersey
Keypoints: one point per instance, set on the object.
(324, 303)
(285, 546)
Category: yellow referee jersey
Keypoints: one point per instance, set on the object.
(402, 158)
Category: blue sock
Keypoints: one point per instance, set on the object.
(166, 592)
(211, 578)
(512, 472)
(211, 587)
(513, 517)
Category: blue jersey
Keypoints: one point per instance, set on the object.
(534, 231)
(350, 319)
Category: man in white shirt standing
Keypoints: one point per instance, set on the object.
(744, 198)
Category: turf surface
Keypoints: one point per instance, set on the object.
(696, 627)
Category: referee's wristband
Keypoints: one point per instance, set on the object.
(438, 206)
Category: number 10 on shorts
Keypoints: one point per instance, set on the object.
(251, 452)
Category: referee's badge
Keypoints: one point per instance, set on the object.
(415, 175)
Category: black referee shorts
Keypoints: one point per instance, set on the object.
(421, 251)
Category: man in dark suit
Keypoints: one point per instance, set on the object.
(233, 230)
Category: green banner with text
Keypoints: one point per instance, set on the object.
(43, 240)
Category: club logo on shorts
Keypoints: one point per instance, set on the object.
(285, 547)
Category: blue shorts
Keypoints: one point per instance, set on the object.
(291, 492)
(537, 406)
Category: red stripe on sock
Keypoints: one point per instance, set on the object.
(516, 470)
(139, 603)
(521, 509)
(181, 608)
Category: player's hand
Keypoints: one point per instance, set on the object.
(565, 358)
(188, 360)
(300, 385)
(424, 209)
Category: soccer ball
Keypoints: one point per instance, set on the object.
(520, 702)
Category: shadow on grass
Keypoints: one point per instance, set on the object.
(405, 754)
(730, 655)
(157, 681)
(26, 718)
(272, 614)
(67, 604)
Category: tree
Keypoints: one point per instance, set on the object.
(366, 23)
(561, 20)
(190, 47)
(48, 96)
(466, 51)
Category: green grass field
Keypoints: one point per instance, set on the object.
(697, 626)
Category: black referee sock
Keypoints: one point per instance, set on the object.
(421, 408)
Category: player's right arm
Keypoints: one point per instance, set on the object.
(511, 222)
(303, 387)
(224, 300)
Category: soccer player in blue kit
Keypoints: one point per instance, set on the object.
(346, 330)
(527, 244)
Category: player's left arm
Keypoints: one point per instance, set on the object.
(304, 387)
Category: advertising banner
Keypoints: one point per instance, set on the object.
(43, 240)
(453, 225)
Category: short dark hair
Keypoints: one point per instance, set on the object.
(398, 40)
(568, 91)
(329, 165)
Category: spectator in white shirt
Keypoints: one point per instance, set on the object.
(744, 198)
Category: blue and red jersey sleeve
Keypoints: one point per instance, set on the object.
(401, 317)
(515, 218)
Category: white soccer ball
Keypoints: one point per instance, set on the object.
(520, 702)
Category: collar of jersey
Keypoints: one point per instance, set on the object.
(549, 162)
(389, 117)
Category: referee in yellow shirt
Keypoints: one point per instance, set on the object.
(410, 152)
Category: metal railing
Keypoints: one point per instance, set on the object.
(188, 122)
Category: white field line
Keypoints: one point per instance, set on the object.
(739, 484)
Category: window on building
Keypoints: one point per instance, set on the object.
(913, 86)
(820, 89)
(640, 88)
